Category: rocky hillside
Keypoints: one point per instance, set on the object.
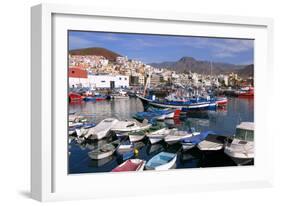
(110, 55)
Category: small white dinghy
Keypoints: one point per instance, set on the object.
(137, 136)
(103, 151)
(158, 135)
(162, 161)
(176, 135)
(130, 126)
(212, 143)
(101, 129)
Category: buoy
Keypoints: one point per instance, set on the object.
(136, 151)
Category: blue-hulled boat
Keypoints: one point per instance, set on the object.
(190, 142)
(89, 98)
(155, 114)
(162, 161)
(88, 125)
(191, 104)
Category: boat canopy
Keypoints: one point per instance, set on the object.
(246, 126)
(198, 138)
(245, 131)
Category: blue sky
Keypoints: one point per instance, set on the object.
(160, 48)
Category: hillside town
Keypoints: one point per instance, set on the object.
(97, 72)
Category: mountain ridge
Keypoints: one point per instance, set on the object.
(188, 63)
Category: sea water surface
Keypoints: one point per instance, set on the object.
(222, 121)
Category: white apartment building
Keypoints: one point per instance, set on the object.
(108, 81)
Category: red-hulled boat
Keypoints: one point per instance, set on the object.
(130, 165)
(221, 101)
(75, 97)
(246, 92)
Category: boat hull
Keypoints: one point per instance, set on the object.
(202, 146)
(187, 146)
(164, 166)
(100, 156)
(136, 138)
(155, 139)
(130, 165)
(184, 107)
(240, 158)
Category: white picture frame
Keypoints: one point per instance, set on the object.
(49, 178)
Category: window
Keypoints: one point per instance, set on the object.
(102, 81)
(243, 134)
(120, 78)
(125, 78)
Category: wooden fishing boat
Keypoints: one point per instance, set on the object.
(184, 106)
(125, 150)
(101, 129)
(137, 136)
(176, 135)
(74, 97)
(221, 101)
(212, 143)
(103, 151)
(130, 126)
(130, 165)
(161, 161)
(158, 135)
(190, 142)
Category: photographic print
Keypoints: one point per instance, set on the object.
(141, 102)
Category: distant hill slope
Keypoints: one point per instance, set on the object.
(202, 67)
(110, 55)
(247, 71)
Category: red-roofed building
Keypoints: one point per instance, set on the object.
(78, 77)
(76, 72)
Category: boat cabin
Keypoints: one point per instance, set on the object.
(245, 131)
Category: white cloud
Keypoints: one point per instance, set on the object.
(223, 47)
(76, 42)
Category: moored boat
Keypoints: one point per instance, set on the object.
(130, 165)
(101, 129)
(190, 142)
(184, 106)
(158, 135)
(100, 97)
(89, 98)
(162, 161)
(74, 97)
(125, 150)
(241, 148)
(103, 151)
(246, 92)
(221, 101)
(130, 126)
(177, 135)
(212, 143)
(137, 136)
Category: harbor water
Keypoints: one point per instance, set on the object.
(223, 121)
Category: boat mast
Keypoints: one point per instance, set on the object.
(147, 84)
(211, 68)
